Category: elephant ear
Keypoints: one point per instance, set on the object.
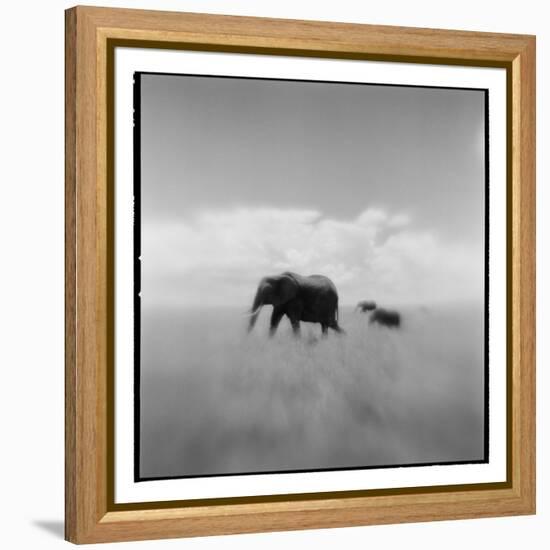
(287, 289)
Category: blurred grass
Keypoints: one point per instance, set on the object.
(216, 400)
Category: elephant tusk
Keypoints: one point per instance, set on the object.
(252, 313)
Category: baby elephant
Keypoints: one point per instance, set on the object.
(386, 318)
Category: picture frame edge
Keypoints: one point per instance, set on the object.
(88, 517)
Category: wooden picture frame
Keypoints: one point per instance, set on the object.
(91, 36)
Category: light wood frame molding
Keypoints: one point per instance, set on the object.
(91, 35)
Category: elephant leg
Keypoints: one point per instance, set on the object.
(295, 326)
(293, 312)
(295, 323)
(276, 317)
(324, 330)
(336, 328)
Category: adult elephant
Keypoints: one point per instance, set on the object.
(312, 299)
(365, 305)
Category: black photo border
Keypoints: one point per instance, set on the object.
(137, 279)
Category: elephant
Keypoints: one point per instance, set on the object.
(365, 305)
(312, 299)
(386, 317)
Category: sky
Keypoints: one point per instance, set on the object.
(381, 188)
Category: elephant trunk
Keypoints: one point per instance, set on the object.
(255, 310)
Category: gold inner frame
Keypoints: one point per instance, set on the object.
(112, 44)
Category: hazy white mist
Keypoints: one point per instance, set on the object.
(215, 257)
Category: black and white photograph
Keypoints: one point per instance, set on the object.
(310, 275)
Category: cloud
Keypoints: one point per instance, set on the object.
(217, 257)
